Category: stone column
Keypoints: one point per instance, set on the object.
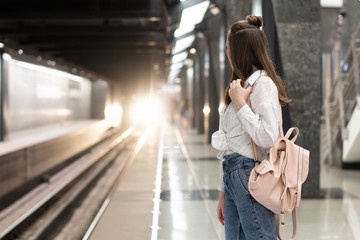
(3, 97)
(298, 30)
(200, 84)
(269, 28)
(184, 82)
(198, 93)
(194, 90)
(189, 77)
(236, 10)
(215, 81)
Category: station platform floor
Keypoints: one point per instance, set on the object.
(170, 192)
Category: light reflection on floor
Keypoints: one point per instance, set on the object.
(185, 217)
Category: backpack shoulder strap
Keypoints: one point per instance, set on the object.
(277, 220)
(254, 150)
(290, 131)
(294, 224)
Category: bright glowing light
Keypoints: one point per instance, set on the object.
(215, 11)
(331, 3)
(113, 115)
(206, 110)
(146, 112)
(179, 57)
(221, 106)
(257, 7)
(177, 66)
(175, 70)
(183, 44)
(21, 51)
(1, 45)
(173, 74)
(190, 17)
(6, 56)
(192, 50)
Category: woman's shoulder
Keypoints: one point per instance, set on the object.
(265, 81)
(266, 87)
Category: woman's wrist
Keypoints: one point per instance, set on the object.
(222, 194)
(239, 105)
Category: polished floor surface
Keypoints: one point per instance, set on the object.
(170, 192)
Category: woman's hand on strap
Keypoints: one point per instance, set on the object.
(221, 208)
(238, 94)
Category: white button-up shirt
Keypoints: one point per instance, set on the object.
(260, 122)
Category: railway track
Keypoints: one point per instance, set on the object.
(64, 206)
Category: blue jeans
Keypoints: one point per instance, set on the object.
(245, 218)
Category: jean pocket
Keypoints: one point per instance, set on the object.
(241, 180)
(248, 166)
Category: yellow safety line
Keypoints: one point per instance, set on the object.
(157, 190)
(192, 171)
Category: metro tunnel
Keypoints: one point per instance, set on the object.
(109, 110)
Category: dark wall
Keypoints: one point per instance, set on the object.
(298, 28)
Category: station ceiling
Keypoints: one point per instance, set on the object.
(118, 39)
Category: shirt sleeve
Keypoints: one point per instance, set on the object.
(220, 155)
(221, 181)
(262, 121)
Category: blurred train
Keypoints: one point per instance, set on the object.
(36, 95)
(49, 115)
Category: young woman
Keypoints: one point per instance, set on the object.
(253, 110)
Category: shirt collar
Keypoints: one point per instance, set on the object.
(255, 76)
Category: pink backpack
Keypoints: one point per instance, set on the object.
(276, 181)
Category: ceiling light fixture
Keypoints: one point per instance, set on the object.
(179, 57)
(183, 43)
(177, 66)
(331, 3)
(192, 50)
(190, 17)
(6, 56)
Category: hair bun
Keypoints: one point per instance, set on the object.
(254, 20)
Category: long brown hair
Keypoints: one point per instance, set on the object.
(247, 46)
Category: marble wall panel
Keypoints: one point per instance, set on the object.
(298, 27)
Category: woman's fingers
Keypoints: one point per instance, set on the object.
(220, 216)
(239, 94)
(235, 83)
(220, 208)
